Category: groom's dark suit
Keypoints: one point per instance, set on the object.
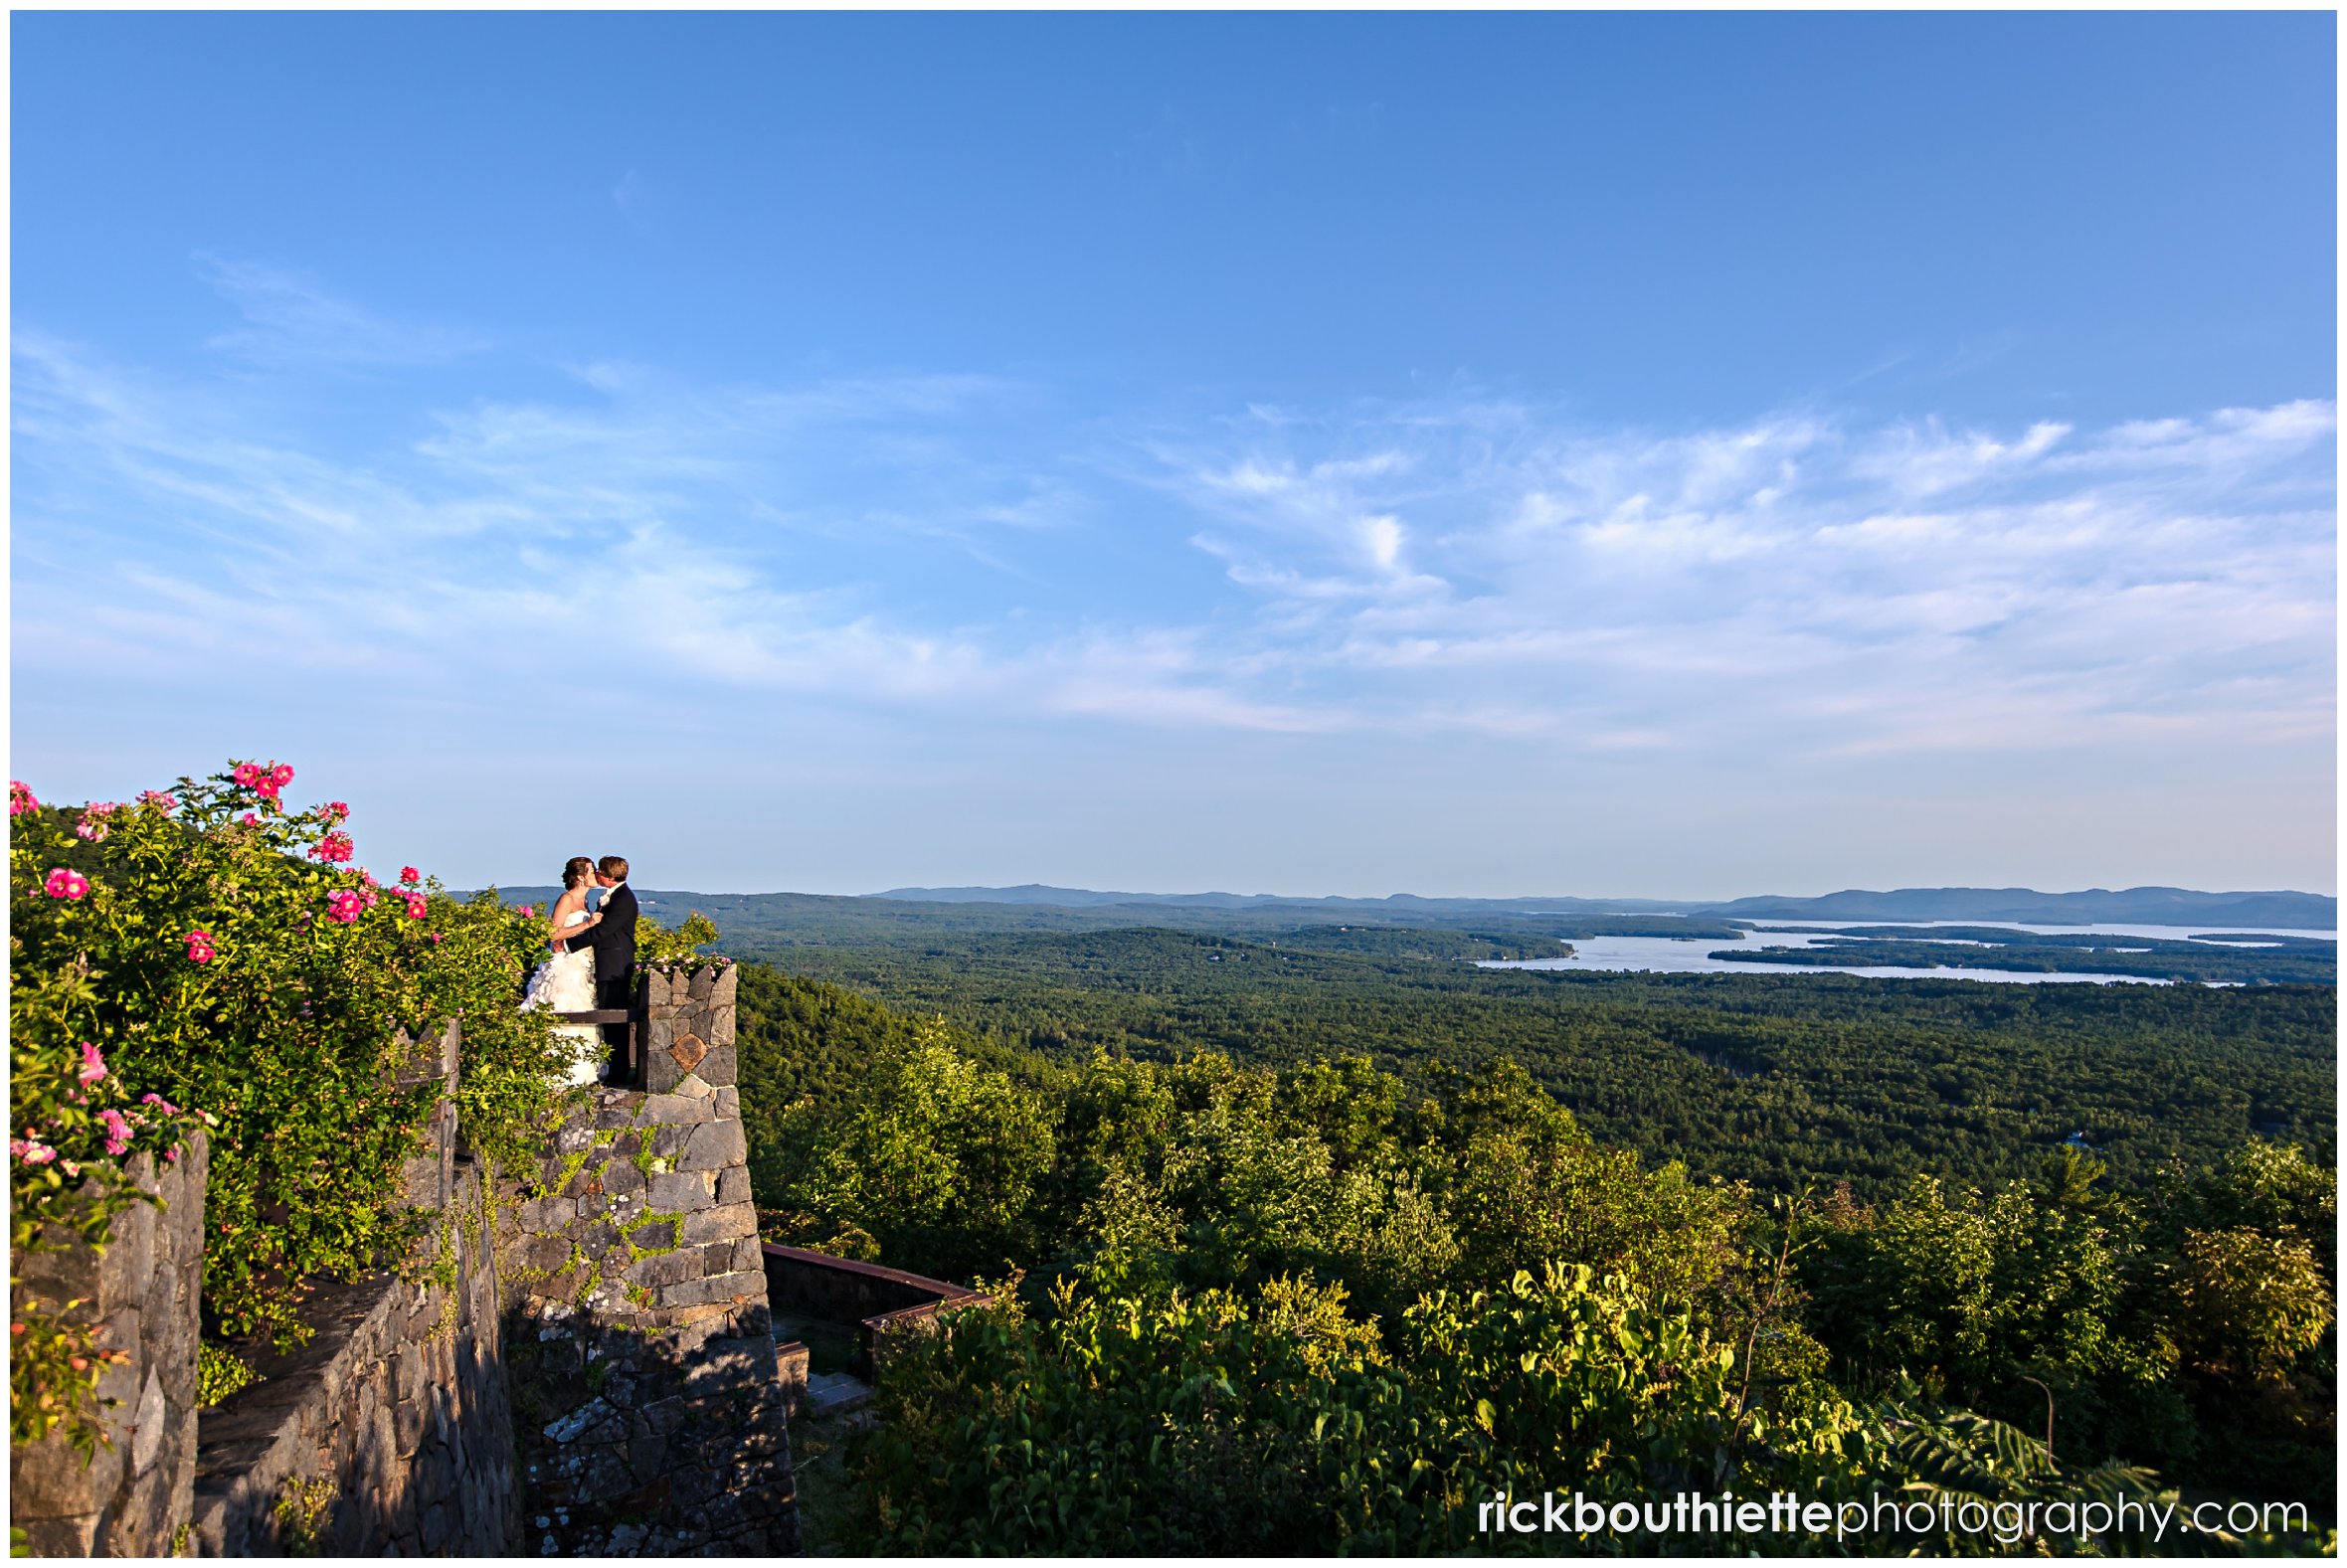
(613, 942)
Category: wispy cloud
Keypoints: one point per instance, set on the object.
(291, 319)
(1792, 583)
(951, 546)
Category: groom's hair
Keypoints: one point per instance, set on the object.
(613, 867)
(576, 870)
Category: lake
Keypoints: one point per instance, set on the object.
(1677, 956)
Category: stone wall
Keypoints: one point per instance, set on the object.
(389, 1432)
(611, 1316)
(145, 1291)
(639, 1347)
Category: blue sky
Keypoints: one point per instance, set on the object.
(1667, 456)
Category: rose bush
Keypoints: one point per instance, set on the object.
(214, 948)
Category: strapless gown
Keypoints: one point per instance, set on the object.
(565, 982)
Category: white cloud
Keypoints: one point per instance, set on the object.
(289, 318)
(1789, 585)
(1776, 586)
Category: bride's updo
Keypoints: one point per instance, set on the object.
(576, 869)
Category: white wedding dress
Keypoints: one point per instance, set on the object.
(565, 982)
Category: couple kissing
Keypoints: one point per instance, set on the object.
(593, 961)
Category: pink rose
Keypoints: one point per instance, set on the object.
(410, 876)
(62, 883)
(416, 906)
(160, 798)
(528, 911)
(334, 847)
(20, 798)
(199, 945)
(249, 819)
(343, 906)
(248, 774)
(93, 1064)
(117, 1130)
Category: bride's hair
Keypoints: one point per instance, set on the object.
(576, 870)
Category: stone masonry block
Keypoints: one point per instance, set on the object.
(719, 1067)
(749, 1360)
(680, 1192)
(408, 1423)
(129, 1262)
(147, 1443)
(408, 1376)
(662, 1269)
(661, 1070)
(540, 1215)
(653, 1236)
(714, 1289)
(48, 1481)
(676, 1108)
(733, 1186)
(714, 1146)
(728, 1223)
(545, 1254)
(618, 1109)
(67, 1537)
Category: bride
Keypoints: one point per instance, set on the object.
(565, 982)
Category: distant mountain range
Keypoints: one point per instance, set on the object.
(2095, 906)
(1034, 906)
(2149, 905)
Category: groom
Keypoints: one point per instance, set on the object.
(613, 942)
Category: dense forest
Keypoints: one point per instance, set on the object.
(1757, 1078)
(1321, 1305)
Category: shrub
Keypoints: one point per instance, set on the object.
(222, 951)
